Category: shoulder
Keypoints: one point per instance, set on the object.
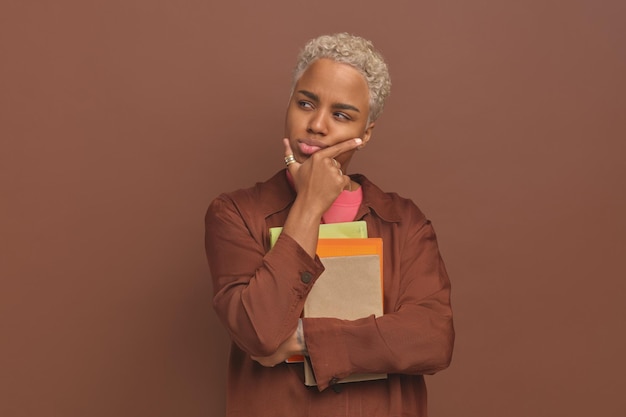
(390, 206)
(263, 198)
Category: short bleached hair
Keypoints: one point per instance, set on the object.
(356, 52)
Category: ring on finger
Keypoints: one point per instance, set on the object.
(289, 159)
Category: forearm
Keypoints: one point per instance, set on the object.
(302, 225)
(295, 345)
(389, 344)
(261, 311)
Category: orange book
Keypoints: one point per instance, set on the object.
(327, 248)
(349, 246)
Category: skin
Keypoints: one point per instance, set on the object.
(327, 120)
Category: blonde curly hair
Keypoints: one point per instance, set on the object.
(356, 52)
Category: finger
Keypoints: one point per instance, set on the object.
(338, 149)
(292, 166)
(288, 150)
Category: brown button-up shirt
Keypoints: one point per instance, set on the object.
(259, 295)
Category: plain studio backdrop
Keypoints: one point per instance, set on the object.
(121, 120)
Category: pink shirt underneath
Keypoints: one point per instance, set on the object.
(344, 208)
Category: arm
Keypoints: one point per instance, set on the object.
(259, 296)
(415, 336)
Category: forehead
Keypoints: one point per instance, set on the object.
(333, 80)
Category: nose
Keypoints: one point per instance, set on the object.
(317, 124)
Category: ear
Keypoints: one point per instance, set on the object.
(367, 134)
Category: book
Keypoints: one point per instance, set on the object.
(345, 250)
(351, 287)
(341, 230)
(357, 229)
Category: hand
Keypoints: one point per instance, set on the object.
(287, 349)
(319, 179)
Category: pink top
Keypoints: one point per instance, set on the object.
(344, 208)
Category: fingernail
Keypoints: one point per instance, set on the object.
(358, 141)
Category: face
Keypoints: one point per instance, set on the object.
(329, 105)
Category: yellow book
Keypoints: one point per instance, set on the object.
(356, 229)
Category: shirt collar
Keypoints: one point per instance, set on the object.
(377, 200)
(277, 195)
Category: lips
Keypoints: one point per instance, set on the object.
(309, 148)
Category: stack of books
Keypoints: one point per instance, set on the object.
(351, 286)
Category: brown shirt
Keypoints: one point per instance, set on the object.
(259, 296)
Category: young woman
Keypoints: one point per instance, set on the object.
(339, 88)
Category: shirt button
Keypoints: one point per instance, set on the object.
(335, 385)
(306, 277)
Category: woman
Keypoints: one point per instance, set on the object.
(339, 88)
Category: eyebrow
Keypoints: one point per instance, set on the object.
(340, 106)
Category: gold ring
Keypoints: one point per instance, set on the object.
(289, 159)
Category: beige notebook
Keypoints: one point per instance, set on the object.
(349, 288)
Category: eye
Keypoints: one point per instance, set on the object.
(305, 104)
(342, 116)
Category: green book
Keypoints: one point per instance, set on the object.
(356, 229)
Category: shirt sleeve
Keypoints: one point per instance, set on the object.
(258, 296)
(414, 336)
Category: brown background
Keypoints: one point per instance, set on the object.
(121, 120)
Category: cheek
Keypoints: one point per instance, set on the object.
(356, 130)
(291, 122)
